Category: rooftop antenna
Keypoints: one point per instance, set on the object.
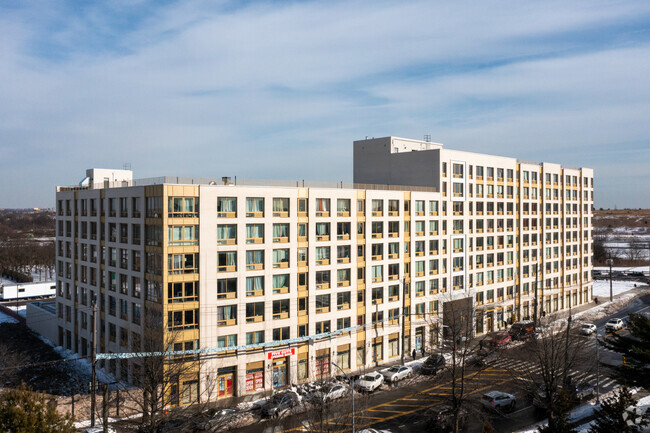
(126, 166)
(427, 138)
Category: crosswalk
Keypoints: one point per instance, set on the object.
(530, 368)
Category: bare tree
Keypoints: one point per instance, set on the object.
(159, 374)
(555, 353)
(635, 250)
(465, 352)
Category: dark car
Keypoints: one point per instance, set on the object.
(279, 403)
(441, 419)
(522, 330)
(221, 419)
(433, 364)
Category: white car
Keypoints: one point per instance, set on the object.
(614, 325)
(588, 329)
(498, 400)
(397, 373)
(370, 382)
(331, 392)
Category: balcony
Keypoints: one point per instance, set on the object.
(323, 237)
(322, 213)
(343, 213)
(322, 310)
(227, 295)
(393, 256)
(281, 265)
(228, 241)
(343, 237)
(229, 322)
(392, 234)
(343, 260)
(231, 268)
(280, 316)
(281, 214)
(280, 290)
(252, 293)
(226, 214)
(280, 240)
(255, 267)
(394, 277)
(322, 286)
(255, 240)
(377, 279)
(255, 319)
(323, 262)
(377, 213)
(341, 307)
(343, 283)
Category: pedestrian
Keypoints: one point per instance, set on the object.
(422, 350)
(414, 354)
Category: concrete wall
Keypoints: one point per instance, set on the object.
(42, 321)
(392, 161)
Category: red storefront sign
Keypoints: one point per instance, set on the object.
(282, 353)
(254, 381)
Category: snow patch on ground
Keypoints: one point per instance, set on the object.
(601, 287)
(22, 309)
(82, 366)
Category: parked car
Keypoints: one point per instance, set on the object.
(441, 419)
(588, 329)
(614, 325)
(370, 382)
(500, 339)
(397, 373)
(584, 390)
(433, 365)
(498, 400)
(330, 392)
(522, 330)
(483, 356)
(221, 419)
(279, 403)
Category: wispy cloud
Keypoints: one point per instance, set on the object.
(280, 89)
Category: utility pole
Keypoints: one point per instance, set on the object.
(403, 319)
(93, 380)
(610, 262)
(105, 409)
(535, 304)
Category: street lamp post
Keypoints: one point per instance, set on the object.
(351, 390)
(610, 262)
(597, 368)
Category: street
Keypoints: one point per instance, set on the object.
(403, 407)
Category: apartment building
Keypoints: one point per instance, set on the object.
(302, 279)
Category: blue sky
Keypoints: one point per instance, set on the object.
(280, 89)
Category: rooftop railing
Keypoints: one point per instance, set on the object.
(178, 180)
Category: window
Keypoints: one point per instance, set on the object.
(227, 288)
(343, 277)
(226, 207)
(323, 327)
(280, 309)
(254, 207)
(182, 263)
(343, 230)
(177, 207)
(281, 258)
(182, 292)
(377, 274)
(254, 233)
(255, 286)
(281, 283)
(280, 334)
(280, 207)
(377, 207)
(343, 323)
(227, 261)
(377, 295)
(393, 207)
(322, 279)
(255, 260)
(227, 341)
(280, 233)
(322, 255)
(343, 300)
(254, 312)
(255, 337)
(343, 207)
(322, 303)
(322, 207)
(322, 231)
(343, 254)
(227, 315)
(377, 229)
(226, 234)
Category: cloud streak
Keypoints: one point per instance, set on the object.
(281, 89)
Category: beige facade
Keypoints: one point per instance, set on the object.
(235, 265)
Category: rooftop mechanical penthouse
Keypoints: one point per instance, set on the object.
(260, 267)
